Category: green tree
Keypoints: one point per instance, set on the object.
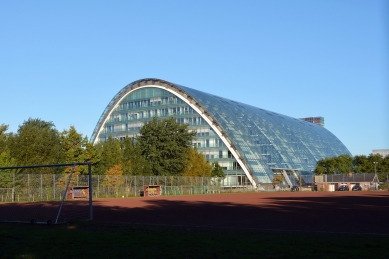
(36, 142)
(325, 166)
(342, 164)
(5, 155)
(373, 163)
(359, 164)
(380, 165)
(6, 159)
(3, 137)
(384, 172)
(197, 165)
(165, 144)
(76, 148)
(217, 170)
(133, 161)
(6, 176)
(362, 164)
(111, 154)
(113, 176)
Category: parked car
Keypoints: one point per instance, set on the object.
(294, 188)
(343, 188)
(356, 188)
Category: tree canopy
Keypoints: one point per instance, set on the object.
(217, 170)
(36, 142)
(197, 165)
(5, 155)
(344, 164)
(77, 148)
(166, 145)
(133, 161)
(111, 155)
(3, 137)
(162, 148)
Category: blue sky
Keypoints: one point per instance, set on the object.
(63, 61)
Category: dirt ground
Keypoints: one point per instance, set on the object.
(338, 212)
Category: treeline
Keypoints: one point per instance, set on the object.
(345, 164)
(162, 148)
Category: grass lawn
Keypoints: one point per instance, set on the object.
(102, 240)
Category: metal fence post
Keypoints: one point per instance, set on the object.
(28, 186)
(41, 186)
(98, 186)
(54, 186)
(90, 191)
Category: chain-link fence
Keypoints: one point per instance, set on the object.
(105, 186)
(47, 196)
(36, 187)
(47, 187)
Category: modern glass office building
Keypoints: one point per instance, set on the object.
(247, 141)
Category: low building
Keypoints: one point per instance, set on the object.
(332, 182)
(382, 152)
(316, 120)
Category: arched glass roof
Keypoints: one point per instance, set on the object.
(259, 139)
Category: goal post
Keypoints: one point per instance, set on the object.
(43, 193)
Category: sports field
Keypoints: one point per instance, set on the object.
(337, 212)
(246, 225)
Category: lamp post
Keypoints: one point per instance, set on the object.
(375, 167)
(375, 171)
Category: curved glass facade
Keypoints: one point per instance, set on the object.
(246, 141)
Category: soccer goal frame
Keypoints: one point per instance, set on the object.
(63, 195)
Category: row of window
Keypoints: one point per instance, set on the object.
(149, 103)
(192, 121)
(202, 143)
(174, 111)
